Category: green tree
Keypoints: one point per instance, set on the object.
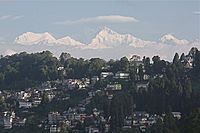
(182, 58)
(192, 124)
(124, 64)
(157, 127)
(170, 124)
(45, 98)
(196, 64)
(176, 58)
(2, 103)
(64, 56)
(187, 88)
(155, 59)
(121, 106)
(147, 64)
(95, 66)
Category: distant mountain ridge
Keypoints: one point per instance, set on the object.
(30, 38)
(105, 38)
(168, 38)
(108, 38)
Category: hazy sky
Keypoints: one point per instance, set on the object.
(79, 18)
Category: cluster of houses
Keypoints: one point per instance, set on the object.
(77, 83)
(8, 119)
(71, 119)
(142, 120)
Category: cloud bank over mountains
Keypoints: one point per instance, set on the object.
(106, 44)
(101, 19)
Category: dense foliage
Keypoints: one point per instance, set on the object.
(26, 70)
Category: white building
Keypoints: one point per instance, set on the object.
(106, 74)
(36, 102)
(113, 87)
(8, 119)
(143, 85)
(121, 75)
(54, 117)
(146, 77)
(94, 79)
(53, 129)
(177, 115)
(24, 104)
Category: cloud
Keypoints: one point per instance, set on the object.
(3, 17)
(11, 17)
(17, 17)
(197, 12)
(109, 19)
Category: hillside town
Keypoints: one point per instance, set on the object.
(79, 96)
(80, 116)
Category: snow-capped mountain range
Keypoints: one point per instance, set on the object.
(170, 39)
(106, 44)
(106, 38)
(30, 38)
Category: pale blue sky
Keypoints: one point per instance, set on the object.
(181, 18)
